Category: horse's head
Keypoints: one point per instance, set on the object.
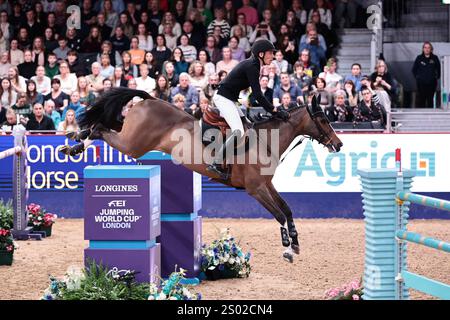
(320, 129)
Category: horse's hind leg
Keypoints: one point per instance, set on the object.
(263, 195)
(290, 220)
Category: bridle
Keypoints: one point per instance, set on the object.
(324, 137)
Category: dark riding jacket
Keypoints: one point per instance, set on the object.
(245, 74)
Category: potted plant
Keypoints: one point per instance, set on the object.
(224, 258)
(40, 219)
(172, 288)
(6, 247)
(350, 291)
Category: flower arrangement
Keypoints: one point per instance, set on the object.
(350, 291)
(6, 241)
(224, 258)
(6, 215)
(172, 289)
(96, 282)
(39, 217)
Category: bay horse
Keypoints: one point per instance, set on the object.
(151, 124)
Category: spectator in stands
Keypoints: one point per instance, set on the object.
(87, 98)
(145, 39)
(33, 27)
(300, 78)
(119, 40)
(311, 29)
(129, 69)
(111, 17)
(126, 25)
(266, 91)
(150, 61)
(351, 96)
(237, 53)
(242, 23)
(15, 54)
(378, 95)
(160, 52)
(279, 61)
(60, 14)
(118, 80)
(43, 85)
(278, 11)
(211, 88)
(49, 109)
(325, 96)
(74, 104)
(382, 79)
(50, 42)
(162, 89)
(189, 51)
(212, 49)
(87, 14)
(171, 75)
(295, 27)
(137, 55)
(286, 86)
(178, 61)
(230, 12)
(367, 110)
(198, 78)
(244, 44)
(70, 123)
(179, 101)
(222, 75)
(205, 14)
(75, 66)
(316, 51)
(144, 82)
(51, 68)
(22, 106)
(330, 36)
(171, 38)
(68, 80)
(345, 13)
(195, 30)
(60, 98)
(188, 91)
(18, 83)
(300, 12)
(287, 47)
(340, 111)
(427, 71)
(356, 76)
(8, 119)
(250, 14)
(105, 29)
(219, 20)
(168, 18)
(267, 20)
(8, 96)
(106, 69)
(62, 50)
(4, 44)
(32, 95)
(73, 39)
(107, 85)
(39, 121)
(93, 42)
(262, 31)
(332, 78)
(325, 13)
(28, 67)
(286, 101)
(114, 56)
(204, 59)
(95, 79)
(5, 26)
(310, 69)
(220, 40)
(180, 11)
(4, 64)
(23, 39)
(51, 22)
(227, 63)
(151, 26)
(155, 13)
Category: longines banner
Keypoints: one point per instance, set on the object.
(56, 181)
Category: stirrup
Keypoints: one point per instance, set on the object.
(214, 168)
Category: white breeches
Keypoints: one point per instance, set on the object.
(230, 112)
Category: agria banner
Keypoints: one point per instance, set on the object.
(310, 168)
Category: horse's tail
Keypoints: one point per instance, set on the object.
(107, 109)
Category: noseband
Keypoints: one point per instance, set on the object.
(324, 138)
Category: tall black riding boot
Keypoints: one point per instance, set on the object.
(215, 166)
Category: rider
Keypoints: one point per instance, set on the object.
(246, 74)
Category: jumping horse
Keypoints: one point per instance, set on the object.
(151, 124)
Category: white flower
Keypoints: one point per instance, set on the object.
(186, 293)
(39, 218)
(173, 298)
(151, 297)
(231, 260)
(162, 296)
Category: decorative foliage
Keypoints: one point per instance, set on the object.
(226, 256)
(96, 283)
(6, 215)
(172, 288)
(6, 241)
(350, 291)
(38, 216)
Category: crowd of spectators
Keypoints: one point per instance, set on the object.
(51, 69)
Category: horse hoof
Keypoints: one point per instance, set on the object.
(295, 248)
(65, 150)
(288, 256)
(72, 135)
